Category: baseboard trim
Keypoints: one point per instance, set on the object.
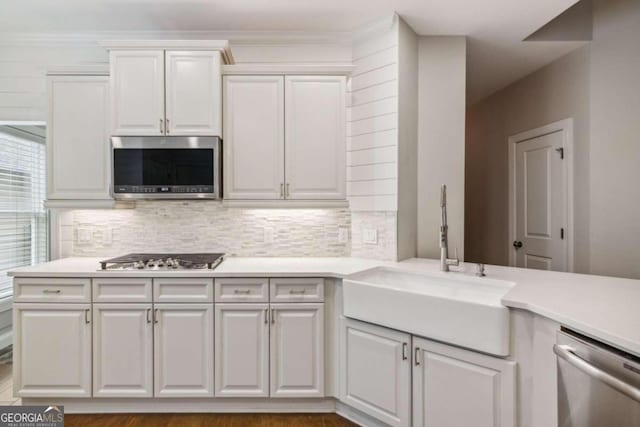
(357, 416)
(211, 405)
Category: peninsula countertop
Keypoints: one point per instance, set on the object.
(606, 308)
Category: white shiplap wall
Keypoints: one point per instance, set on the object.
(23, 64)
(372, 114)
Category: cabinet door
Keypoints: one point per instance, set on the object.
(183, 350)
(457, 387)
(242, 350)
(193, 81)
(137, 92)
(315, 137)
(254, 137)
(122, 350)
(52, 350)
(377, 372)
(78, 129)
(297, 350)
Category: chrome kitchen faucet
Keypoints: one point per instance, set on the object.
(445, 261)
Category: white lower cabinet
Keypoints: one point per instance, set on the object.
(377, 372)
(242, 350)
(297, 350)
(122, 350)
(52, 352)
(385, 373)
(459, 388)
(183, 350)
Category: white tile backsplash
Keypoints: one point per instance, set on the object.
(194, 226)
(384, 224)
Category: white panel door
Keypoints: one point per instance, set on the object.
(315, 137)
(254, 137)
(122, 350)
(193, 88)
(242, 350)
(52, 350)
(540, 204)
(297, 350)
(78, 128)
(377, 372)
(459, 388)
(183, 350)
(137, 92)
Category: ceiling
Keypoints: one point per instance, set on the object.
(497, 55)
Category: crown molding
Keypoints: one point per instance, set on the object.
(234, 37)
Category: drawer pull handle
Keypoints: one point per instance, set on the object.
(242, 291)
(86, 316)
(416, 356)
(297, 292)
(51, 291)
(273, 316)
(266, 316)
(148, 315)
(155, 316)
(404, 350)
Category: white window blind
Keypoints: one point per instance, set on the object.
(23, 219)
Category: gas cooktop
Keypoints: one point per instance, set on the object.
(163, 262)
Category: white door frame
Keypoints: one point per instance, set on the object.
(566, 127)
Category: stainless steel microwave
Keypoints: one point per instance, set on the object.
(166, 167)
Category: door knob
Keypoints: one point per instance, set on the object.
(517, 244)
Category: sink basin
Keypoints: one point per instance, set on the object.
(450, 307)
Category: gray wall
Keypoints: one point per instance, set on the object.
(441, 136)
(598, 86)
(558, 91)
(615, 139)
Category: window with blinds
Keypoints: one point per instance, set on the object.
(24, 222)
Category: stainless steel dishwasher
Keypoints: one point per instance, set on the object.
(598, 386)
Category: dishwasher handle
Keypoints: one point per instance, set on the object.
(567, 353)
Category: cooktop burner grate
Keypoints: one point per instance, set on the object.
(139, 261)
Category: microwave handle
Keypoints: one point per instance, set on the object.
(567, 353)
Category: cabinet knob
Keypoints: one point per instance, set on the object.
(517, 244)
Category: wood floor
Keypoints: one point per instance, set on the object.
(208, 420)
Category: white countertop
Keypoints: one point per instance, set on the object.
(605, 308)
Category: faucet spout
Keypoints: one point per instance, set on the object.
(445, 261)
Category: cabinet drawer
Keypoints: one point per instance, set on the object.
(242, 290)
(122, 290)
(296, 290)
(183, 290)
(51, 290)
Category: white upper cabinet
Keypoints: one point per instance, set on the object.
(137, 92)
(457, 387)
(193, 102)
(191, 81)
(297, 350)
(254, 137)
(78, 138)
(315, 135)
